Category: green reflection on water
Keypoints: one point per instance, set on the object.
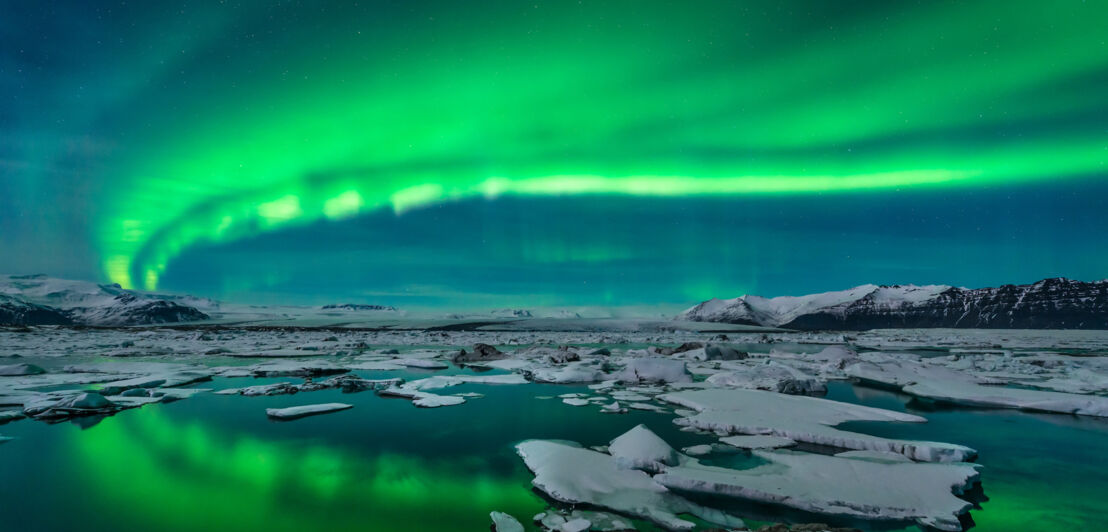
(200, 475)
(216, 463)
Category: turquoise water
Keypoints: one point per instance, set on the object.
(1041, 471)
(218, 463)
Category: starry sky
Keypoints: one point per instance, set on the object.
(524, 154)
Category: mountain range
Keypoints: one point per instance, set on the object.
(1056, 303)
(42, 300)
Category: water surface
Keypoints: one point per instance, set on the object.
(218, 463)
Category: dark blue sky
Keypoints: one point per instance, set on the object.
(627, 154)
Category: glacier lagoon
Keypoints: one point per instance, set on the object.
(217, 462)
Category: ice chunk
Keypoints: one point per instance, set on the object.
(80, 404)
(277, 388)
(445, 381)
(876, 456)
(771, 376)
(20, 370)
(295, 368)
(502, 522)
(574, 372)
(804, 419)
(163, 380)
(374, 366)
(423, 363)
(433, 383)
(348, 384)
(509, 364)
(971, 394)
(624, 395)
(613, 408)
(639, 448)
(757, 442)
(697, 450)
(602, 521)
(576, 525)
(435, 401)
(573, 475)
(297, 412)
(480, 353)
(422, 399)
(507, 378)
(646, 406)
(712, 352)
(830, 485)
(938, 383)
(655, 370)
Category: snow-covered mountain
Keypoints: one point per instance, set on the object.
(1048, 304)
(42, 300)
(15, 311)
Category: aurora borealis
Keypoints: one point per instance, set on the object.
(566, 153)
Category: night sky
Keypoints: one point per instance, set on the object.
(480, 155)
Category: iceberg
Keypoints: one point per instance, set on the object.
(297, 412)
(573, 475)
(803, 419)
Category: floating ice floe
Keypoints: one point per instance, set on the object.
(860, 485)
(276, 388)
(876, 456)
(10, 415)
(639, 448)
(613, 408)
(444, 381)
(20, 370)
(803, 419)
(697, 450)
(572, 373)
(422, 363)
(296, 368)
(422, 399)
(54, 407)
(561, 521)
(157, 380)
(1080, 381)
(634, 405)
(941, 384)
(1004, 397)
(480, 353)
(509, 364)
(839, 486)
(381, 365)
(772, 376)
(654, 370)
(574, 475)
(758, 442)
(297, 412)
(347, 383)
(710, 352)
(502, 522)
(435, 401)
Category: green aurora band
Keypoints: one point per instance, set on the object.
(377, 108)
